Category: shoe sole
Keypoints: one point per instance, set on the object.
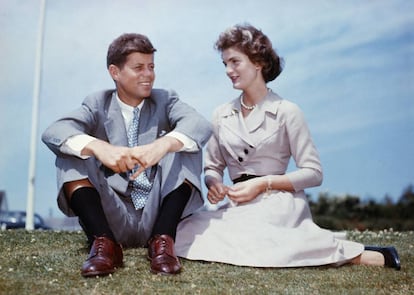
(165, 273)
(101, 273)
(98, 273)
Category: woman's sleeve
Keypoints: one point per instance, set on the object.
(309, 172)
(214, 161)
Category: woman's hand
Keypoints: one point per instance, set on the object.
(247, 190)
(217, 191)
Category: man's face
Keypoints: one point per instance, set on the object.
(135, 79)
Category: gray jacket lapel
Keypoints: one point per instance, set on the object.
(114, 125)
(148, 124)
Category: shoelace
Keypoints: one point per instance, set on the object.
(99, 245)
(163, 245)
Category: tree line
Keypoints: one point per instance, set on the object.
(349, 212)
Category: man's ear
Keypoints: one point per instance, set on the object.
(113, 71)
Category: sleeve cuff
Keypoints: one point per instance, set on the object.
(75, 144)
(189, 145)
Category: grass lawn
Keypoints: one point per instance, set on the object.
(47, 262)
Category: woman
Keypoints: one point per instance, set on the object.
(267, 222)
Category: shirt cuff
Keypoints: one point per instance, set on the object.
(189, 145)
(75, 144)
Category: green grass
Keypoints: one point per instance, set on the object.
(46, 262)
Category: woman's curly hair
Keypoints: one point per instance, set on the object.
(255, 45)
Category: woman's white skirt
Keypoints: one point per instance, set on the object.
(273, 230)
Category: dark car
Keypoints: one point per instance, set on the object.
(17, 219)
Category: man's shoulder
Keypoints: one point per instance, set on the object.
(163, 93)
(99, 99)
(101, 94)
(162, 97)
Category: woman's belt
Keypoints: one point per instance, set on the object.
(244, 177)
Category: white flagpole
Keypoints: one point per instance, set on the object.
(35, 111)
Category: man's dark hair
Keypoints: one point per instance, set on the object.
(125, 44)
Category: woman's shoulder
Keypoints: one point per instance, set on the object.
(226, 109)
(285, 106)
(284, 103)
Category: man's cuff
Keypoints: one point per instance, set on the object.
(189, 145)
(75, 144)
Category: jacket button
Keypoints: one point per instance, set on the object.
(240, 159)
(246, 151)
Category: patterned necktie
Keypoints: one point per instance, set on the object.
(141, 186)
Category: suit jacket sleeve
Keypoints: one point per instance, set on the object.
(186, 120)
(80, 121)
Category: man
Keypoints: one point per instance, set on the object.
(129, 162)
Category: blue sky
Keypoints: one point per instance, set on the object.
(348, 64)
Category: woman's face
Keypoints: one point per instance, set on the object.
(241, 71)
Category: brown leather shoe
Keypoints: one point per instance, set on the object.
(105, 256)
(162, 255)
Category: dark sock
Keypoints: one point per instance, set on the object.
(86, 203)
(171, 210)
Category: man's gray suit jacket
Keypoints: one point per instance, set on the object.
(100, 116)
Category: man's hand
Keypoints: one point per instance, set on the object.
(150, 154)
(123, 159)
(117, 158)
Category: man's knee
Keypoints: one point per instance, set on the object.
(71, 186)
